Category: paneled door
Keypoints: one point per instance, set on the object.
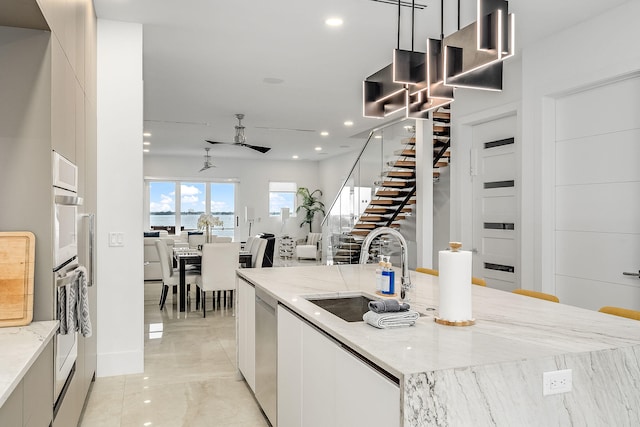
(597, 195)
(495, 203)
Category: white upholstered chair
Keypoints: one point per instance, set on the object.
(249, 243)
(218, 271)
(170, 277)
(257, 252)
(309, 247)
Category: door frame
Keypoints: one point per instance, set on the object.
(461, 228)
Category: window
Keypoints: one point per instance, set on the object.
(282, 195)
(175, 204)
(162, 204)
(222, 206)
(192, 203)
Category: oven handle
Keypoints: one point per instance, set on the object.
(92, 226)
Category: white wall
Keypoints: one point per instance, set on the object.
(252, 189)
(603, 48)
(119, 182)
(586, 54)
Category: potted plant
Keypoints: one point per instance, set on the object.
(311, 204)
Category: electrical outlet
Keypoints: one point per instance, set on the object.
(556, 382)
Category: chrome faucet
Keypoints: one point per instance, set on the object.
(364, 256)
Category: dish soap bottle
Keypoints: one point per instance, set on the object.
(379, 274)
(388, 278)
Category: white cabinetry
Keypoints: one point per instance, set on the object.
(247, 332)
(320, 383)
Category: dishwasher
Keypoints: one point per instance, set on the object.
(266, 354)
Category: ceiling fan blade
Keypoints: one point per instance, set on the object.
(257, 148)
(218, 142)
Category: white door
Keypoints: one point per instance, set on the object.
(597, 196)
(495, 200)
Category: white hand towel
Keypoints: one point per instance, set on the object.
(391, 320)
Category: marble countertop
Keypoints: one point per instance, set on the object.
(21, 346)
(508, 327)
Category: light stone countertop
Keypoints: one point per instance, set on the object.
(509, 327)
(21, 346)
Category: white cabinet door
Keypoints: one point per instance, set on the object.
(322, 384)
(363, 395)
(318, 379)
(247, 332)
(289, 369)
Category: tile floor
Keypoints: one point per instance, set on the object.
(189, 377)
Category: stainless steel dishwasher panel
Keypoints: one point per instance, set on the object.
(266, 354)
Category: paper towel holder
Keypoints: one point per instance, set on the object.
(454, 247)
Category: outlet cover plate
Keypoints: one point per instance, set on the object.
(556, 382)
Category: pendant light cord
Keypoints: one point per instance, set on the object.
(413, 20)
(398, 42)
(442, 19)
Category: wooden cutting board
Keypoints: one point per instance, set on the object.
(17, 254)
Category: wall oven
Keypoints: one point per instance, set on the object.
(65, 262)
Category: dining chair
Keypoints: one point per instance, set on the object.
(622, 312)
(430, 271)
(218, 271)
(257, 252)
(478, 281)
(474, 280)
(249, 244)
(170, 277)
(535, 294)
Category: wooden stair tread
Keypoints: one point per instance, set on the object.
(406, 164)
(441, 164)
(398, 184)
(407, 152)
(382, 210)
(408, 141)
(399, 174)
(379, 219)
(441, 116)
(392, 193)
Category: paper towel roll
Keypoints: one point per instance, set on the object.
(455, 285)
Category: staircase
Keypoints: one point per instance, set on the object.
(395, 190)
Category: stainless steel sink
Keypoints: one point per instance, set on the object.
(347, 307)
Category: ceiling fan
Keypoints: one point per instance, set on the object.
(207, 161)
(239, 138)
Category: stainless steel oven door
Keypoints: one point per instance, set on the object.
(65, 226)
(66, 345)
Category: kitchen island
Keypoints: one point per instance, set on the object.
(490, 373)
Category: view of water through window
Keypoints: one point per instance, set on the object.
(192, 203)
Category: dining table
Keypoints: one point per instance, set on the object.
(185, 258)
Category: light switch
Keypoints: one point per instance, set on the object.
(116, 239)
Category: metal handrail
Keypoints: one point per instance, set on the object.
(364, 147)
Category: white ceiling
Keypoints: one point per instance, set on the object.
(205, 60)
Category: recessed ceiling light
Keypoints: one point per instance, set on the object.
(348, 123)
(146, 134)
(146, 150)
(334, 22)
(378, 136)
(324, 133)
(318, 148)
(295, 156)
(146, 143)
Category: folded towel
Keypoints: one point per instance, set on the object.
(82, 307)
(391, 320)
(388, 306)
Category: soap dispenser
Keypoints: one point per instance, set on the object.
(379, 273)
(388, 278)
